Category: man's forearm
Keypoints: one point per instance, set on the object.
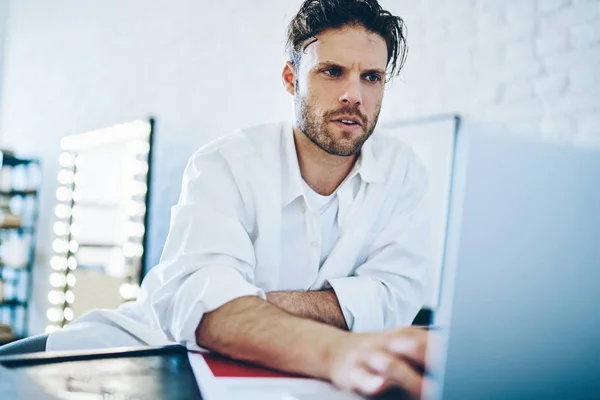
(322, 306)
(251, 329)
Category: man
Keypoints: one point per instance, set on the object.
(298, 246)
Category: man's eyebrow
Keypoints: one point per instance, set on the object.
(328, 64)
(376, 71)
(331, 64)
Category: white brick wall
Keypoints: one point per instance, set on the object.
(531, 65)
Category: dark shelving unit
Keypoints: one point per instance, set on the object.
(19, 181)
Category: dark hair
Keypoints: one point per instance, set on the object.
(315, 16)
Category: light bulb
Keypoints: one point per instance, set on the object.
(65, 177)
(141, 168)
(66, 160)
(68, 314)
(136, 208)
(54, 314)
(78, 179)
(52, 328)
(62, 211)
(58, 263)
(134, 229)
(129, 291)
(61, 229)
(72, 263)
(69, 297)
(73, 246)
(60, 246)
(71, 280)
(77, 195)
(56, 297)
(79, 162)
(57, 280)
(63, 194)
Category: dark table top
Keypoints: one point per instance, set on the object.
(127, 374)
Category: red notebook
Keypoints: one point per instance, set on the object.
(223, 367)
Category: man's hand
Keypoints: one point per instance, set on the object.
(253, 330)
(371, 363)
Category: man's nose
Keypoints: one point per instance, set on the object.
(351, 94)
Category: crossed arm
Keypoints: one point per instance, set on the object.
(322, 306)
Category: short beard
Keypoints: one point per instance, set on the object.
(315, 128)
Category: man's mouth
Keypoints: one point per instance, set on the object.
(347, 122)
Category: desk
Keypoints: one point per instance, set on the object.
(153, 373)
(118, 374)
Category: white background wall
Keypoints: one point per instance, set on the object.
(204, 68)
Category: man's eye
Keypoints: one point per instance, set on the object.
(332, 71)
(373, 78)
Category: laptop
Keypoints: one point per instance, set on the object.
(520, 294)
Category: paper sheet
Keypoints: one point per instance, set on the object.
(269, 388)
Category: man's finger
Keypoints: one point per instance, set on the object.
(402, 374)
(365, 381)
(411, 345)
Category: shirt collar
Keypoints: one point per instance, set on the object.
(366, 167)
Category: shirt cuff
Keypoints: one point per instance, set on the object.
(359, 300)
(205, 291)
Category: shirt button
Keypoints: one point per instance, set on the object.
(314, 243)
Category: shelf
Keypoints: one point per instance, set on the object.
(19, 269)
(12, 303)
(12, 161)
(14, 193)
(20, 230)
(98, 245)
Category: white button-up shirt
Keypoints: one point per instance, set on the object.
(243, 227)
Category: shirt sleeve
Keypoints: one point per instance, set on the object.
(387, 290)
(208, 258)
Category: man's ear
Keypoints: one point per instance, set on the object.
(288, 76)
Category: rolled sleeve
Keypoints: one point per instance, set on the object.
(205, 291)
(208, 259)
(359, 301)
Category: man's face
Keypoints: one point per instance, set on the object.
(339, 88)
